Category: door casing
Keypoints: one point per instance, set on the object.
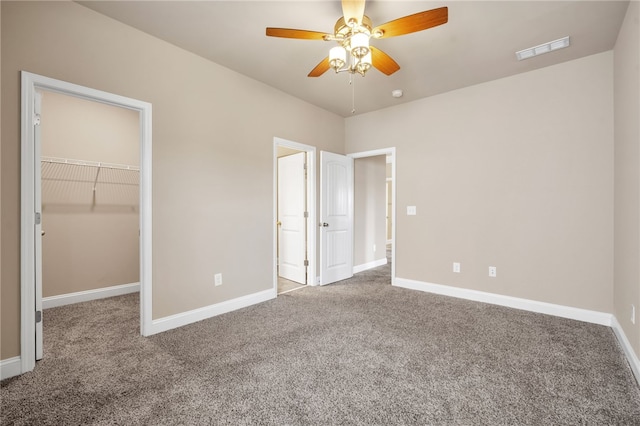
(30, 84)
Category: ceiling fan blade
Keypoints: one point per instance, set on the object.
(321, 68)
(412, 23)
(300, 34)
(353, 9)
(383, 62)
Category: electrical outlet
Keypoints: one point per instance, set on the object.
(633, 314)
(411, 210)
(374, 248)
(493, 271)
(456, 267)
(218, 279)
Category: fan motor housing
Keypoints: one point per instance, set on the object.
(342, 29)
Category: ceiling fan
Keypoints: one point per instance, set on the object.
(353, 31)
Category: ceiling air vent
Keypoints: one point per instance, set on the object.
(561, 43)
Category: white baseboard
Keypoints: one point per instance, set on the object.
(10, 367)
(85, 296)
(370, 265)
(189, 317)
(578, 314)
(634, 362)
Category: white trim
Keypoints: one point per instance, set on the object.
(369, 265)
(311, 207)
(10, 367)
(88, 295)
(30, 84)
(578, 314)
(634, 362)
(189, 317)
(390, 154)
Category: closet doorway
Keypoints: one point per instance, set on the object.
(86, 202)
(90, 198)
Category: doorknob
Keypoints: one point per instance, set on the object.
(42, 233)
(325, 224)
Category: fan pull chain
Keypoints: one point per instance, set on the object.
(353, 94)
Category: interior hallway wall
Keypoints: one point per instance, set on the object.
(89, 246)
(212, 151)
(627, 175)
(515, 173)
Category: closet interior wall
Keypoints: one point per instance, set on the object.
(90, 195)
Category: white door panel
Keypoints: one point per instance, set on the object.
(291, 208)
(336, 217)
(37, 167)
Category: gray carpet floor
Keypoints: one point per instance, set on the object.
(355, 352)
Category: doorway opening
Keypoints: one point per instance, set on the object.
(375, 210)
(90, 201)
(31, 202)
(294, 216)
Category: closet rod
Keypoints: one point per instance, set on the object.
(88, 163)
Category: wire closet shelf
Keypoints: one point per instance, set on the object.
(68, 182)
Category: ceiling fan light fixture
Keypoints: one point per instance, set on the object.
(337, 57)
(364, 63)
(359, 45)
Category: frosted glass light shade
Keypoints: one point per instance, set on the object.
(337, 57)
(359, 45)
(365, 63)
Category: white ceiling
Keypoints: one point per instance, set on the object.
(478, 44)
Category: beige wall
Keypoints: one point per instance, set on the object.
(627, 175)
(515, 173)
(88, 245)
(369, 209)
(213, 133)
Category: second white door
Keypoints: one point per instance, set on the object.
(336, 217)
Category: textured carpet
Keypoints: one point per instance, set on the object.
(355, 352)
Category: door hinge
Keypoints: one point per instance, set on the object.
(36, 119)
(306, 214)
(38, 316)
(38, 218)
(306, 263)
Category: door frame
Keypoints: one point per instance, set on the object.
(311, 208)
(31, 83)
(391, 154)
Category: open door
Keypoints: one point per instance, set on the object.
(38, 232)
(336, 217)
(291, 218)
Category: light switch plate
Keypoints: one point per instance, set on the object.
(411, 210)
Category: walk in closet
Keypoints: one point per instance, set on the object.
(89, 195)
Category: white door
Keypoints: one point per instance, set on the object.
(291, 218)
(336, 217)
(37, 202)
